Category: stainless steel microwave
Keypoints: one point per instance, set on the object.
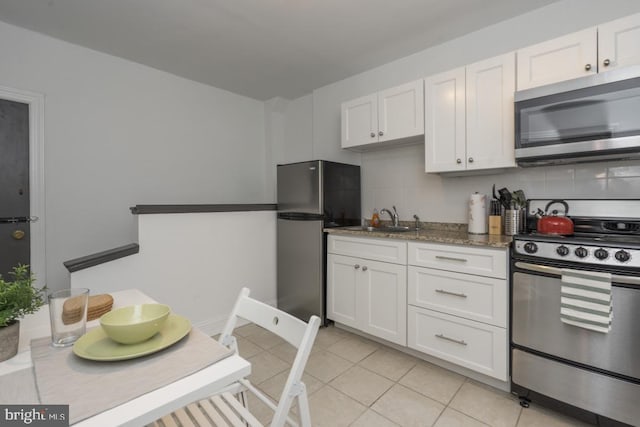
(588, 119)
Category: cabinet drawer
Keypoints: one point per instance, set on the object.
(474, 345)
(462, 259)
(474, 297)
(385, 250)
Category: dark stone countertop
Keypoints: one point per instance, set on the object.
(455, 234)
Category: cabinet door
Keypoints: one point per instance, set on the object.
(564, 58)
(490, 85)
(360, 121)
(619, 43)
(445, 121)
(342, 298)
(383, 300)
(401, 111)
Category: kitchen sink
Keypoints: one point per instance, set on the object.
(383, 229)
(395, 228)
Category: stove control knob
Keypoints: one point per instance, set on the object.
(530, 248)
(562, 250)
(623, 256)
(581, 252)
(601, 254)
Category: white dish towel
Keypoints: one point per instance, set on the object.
(586, 300)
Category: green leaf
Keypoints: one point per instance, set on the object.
(19, 297)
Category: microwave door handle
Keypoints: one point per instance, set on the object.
(627, 280)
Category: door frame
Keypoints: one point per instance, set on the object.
(35, 101)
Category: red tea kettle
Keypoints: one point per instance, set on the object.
(552, 223)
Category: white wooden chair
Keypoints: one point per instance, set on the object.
(230, 407)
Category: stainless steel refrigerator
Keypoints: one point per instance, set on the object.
(312, 196)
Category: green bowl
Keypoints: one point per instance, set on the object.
(135, 323)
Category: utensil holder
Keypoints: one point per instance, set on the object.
(513, 221)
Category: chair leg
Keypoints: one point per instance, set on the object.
(244, 398)
(303, 408)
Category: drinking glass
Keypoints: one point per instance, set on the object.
(68, 314)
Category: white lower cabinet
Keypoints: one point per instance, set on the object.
(364, 292)
(478, 298)
(368, 295)
(458, 305)
(447, 301)
(342, 277)
(474, 345)
(384, 300)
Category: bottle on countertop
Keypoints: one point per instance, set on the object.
(375, 218)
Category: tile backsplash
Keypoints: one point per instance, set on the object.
(396, 177)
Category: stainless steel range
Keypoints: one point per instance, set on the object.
(575, 313)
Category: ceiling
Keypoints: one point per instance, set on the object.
(261, 48)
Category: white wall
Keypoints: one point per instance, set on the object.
(196, 263)
(396, 176)
(119, 134)
(289, 134)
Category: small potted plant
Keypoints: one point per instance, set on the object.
(17, 298)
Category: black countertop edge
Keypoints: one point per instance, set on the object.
(169, 209)
(101, 257)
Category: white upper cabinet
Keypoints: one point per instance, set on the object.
(564, 58)
(619, 43)
(469, 117)
(490, 125)
(401, 112)
(598, 49)
(445, 133)
(389, 116)
(360, 121)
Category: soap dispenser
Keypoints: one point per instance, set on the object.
(375, 218)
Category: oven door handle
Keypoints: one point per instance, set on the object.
(627, 280)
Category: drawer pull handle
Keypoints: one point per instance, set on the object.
(442, 337)
(456, 294)
(448, 258)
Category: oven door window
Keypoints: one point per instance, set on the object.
(536, 325)
(595, 113)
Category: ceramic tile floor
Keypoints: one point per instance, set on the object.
(353, 381)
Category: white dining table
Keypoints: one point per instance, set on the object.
(143, 409)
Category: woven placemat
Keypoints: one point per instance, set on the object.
(91, 387)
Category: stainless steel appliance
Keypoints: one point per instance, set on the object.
(594, 375)
(586, 119)
(311, 196)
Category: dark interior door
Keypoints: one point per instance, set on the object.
(14, 185)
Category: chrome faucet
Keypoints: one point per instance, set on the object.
(394, 215)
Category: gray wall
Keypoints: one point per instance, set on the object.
(396, 176)
(119, 134)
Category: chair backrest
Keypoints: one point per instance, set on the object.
(293, 330)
